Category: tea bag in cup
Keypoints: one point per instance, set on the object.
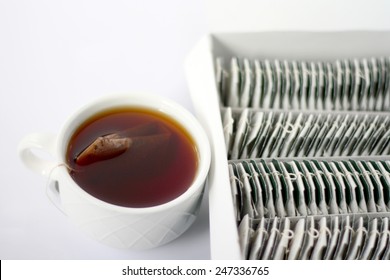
(138, 142)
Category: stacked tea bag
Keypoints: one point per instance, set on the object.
(308, 148)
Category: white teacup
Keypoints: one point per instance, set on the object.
(115, 225)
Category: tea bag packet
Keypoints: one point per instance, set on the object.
(248, 205)
(322, 241)
(138, 142)
(362, 146)
(299, 187)
(267, 99)
(274, 138)
(357, 241)
(232, 96)
(365, 88)
(329, 89)
(236, 193)
(313, 208)
(352, 186)
(269, 204)
(367, 185)
(312, 95)
(289, 141)
(331, 189)
(374, 98)
(320, 136)
(359, 191)
(310, 239)
(383, 240)
(326, 143)
(244, 233)
(297, 240)
(273, 236)
(377, 135)
(344, 240)
(278, 197)
(240, 135)
(221, 77)
(310, 139)
(247, 89)
(357, 136)
(291, 203)
(286, 235)
(344, 142)
(385, 175)
(320, 187)
(277, 95)
(259, 239)
(255, 129)
(263, 136)
(334, 238)
(340, 187)
(296, 79)
(286, 85)
(258, 90)
(334, 146)
(257, 188)
(377, 186)
(371, 240)
(298, 144)
(228, 123)
(340, 103)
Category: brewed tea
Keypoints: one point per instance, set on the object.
(132, 157)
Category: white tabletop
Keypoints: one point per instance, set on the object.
(56, 56)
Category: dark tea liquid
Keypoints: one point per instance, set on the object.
(153, 171)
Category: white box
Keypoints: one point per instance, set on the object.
(307, 45)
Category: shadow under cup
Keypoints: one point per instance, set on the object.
(144, 216)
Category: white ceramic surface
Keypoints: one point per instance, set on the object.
(122, 227)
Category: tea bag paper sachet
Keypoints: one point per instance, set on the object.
(139, 141)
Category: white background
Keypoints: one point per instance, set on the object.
(56, 56)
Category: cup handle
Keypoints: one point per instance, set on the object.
(38, 141)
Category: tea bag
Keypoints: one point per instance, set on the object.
(357, 240)
(141, 141)
(294, 98)
(258, 90)
(335, 234)
(282, 246)
(248, 85)
(228, 123)
(322, 241)
(244, 233)
(371, 240)
(344, 241)
(267, 99)
(241, 133)
(273, 236)
(255, 126)
(232, 97)
(259, 239)
(383, 240)
(310, 239)
(277, 98)
(297, 240)
(286, 86)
